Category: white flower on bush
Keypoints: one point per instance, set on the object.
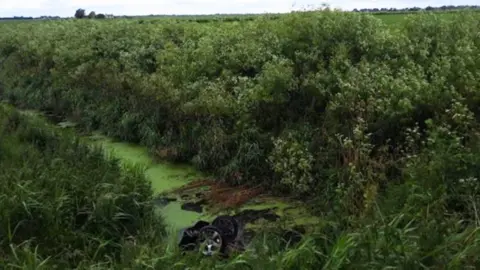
(291, 160)
(468, 180)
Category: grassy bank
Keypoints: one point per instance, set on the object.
(63, 200)
(379, 124)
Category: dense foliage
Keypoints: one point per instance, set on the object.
(63, 199)
(378, 124)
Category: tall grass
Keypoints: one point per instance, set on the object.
(62, 200)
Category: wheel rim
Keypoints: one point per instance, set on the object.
(210, 241)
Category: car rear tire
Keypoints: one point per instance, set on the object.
(228, 227)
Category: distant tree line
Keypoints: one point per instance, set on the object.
(414, 9)
(30, 18)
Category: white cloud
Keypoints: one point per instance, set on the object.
(145, 7)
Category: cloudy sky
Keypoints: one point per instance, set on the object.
(145, 7)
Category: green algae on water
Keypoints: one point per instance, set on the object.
(177, 217)
(163, 176)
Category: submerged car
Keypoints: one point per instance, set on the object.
(217, 238)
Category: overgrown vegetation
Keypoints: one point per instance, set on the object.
(377, 124)
(63, 200)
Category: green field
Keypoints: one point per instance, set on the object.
(395, 19)
(370, 121)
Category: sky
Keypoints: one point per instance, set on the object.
(66, 8)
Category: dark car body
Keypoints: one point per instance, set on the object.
(220, 236)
